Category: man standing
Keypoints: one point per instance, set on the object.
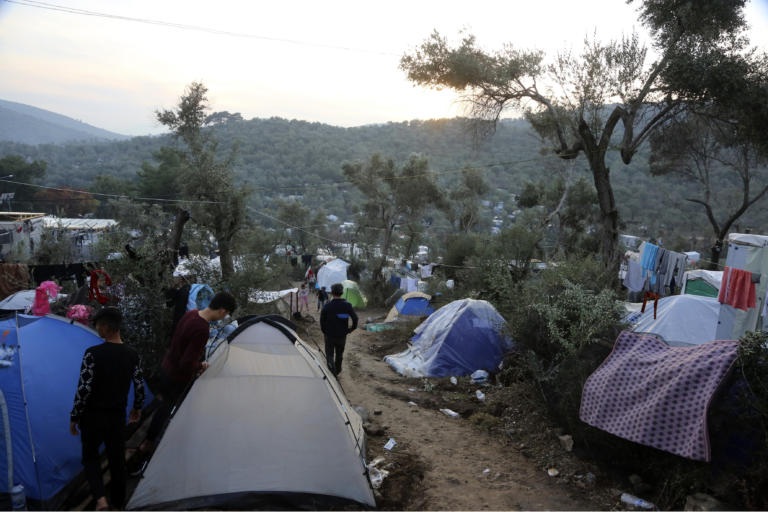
(334, 322)
(322, 298)
(106, 374)
(182, 363)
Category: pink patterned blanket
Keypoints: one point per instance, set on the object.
(656, 395)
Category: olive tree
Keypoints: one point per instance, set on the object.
(730, 174)
(610, 96)
(207, 182)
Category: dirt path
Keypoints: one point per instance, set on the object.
(445, 463)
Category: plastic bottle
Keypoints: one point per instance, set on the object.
(18, 498)
(637, 502)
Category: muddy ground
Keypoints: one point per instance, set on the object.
(501, 453)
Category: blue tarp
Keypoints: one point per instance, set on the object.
(199, 297)
(40, 365)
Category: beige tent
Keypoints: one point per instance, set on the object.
(265, 427)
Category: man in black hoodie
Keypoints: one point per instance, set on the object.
(334, 322)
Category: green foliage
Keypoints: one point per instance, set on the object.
(53, 250)
(142, 276)
(105, 188)
(554, 316)
(207, 182)
(752, 412)
(753, 360)
(565, 331)
(161, 181)
(295, 219)
(703, 150)
(463, 209)
(530, 195)
(570, 320)
(19, 169)
(393, 197)
(278, 158)
(669, 20)
(252, 274)
(458, 250)
(608, 97)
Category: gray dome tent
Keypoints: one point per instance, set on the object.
(264, 427)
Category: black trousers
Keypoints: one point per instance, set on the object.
(169, 393)
(334, 352)
(107, 428)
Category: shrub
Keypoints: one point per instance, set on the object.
(557, 325)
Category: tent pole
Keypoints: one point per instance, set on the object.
(8, 446)
(26, 411)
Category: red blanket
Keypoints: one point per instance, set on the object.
(656, 395)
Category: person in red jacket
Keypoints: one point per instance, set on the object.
(182, 363)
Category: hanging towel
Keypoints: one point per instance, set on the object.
(634, 280)
(737, 289)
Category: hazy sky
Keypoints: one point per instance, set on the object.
(112, 63)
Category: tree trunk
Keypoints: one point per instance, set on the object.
(714, 254)
(174, 241)
(378, 272)
(609, 215)
(225, 258)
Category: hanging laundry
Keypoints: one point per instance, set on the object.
(634, 280)
(737, 289)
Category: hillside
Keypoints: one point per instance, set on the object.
(30, 125)
(292, 159)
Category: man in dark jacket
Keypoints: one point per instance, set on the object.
(106, 374)
(182, 363)
(334, 322)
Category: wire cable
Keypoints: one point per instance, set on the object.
(181, 26)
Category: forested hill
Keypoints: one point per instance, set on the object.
(279, 158)
(292, 157)
(32, 125)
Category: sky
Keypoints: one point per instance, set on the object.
(113, 63)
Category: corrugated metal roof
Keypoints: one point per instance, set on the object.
(19, 216)
(78, 223)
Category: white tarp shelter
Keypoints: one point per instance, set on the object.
(335, 271)
(702, 282)
(680, 319)
(746, 252)
(20, 301)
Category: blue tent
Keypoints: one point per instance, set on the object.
(457, 339)
(39, 366)
(413, 304)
